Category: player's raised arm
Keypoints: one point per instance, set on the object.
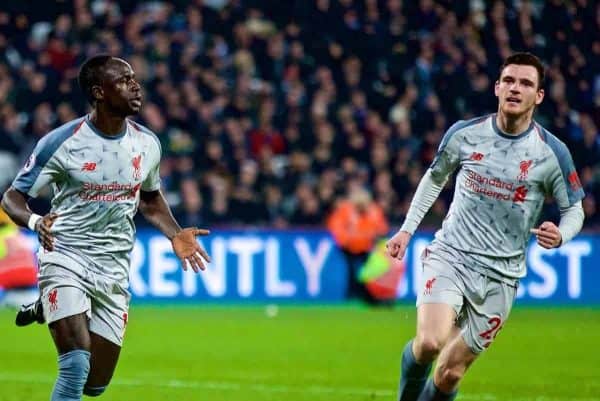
(155, 209)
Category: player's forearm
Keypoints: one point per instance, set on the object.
(15, 205)
(571, 221)
(157, 212)
(427, 192)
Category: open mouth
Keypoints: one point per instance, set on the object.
(513, 100)
(137, 102)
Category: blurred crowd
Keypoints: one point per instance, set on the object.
(271, 111)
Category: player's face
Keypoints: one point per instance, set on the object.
(517, 90)
(122, 93)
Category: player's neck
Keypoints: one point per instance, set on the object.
(512, 125)
(108, 125)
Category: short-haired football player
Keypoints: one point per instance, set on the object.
(101, 168)
(507, 164)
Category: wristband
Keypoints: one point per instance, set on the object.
(33, 219)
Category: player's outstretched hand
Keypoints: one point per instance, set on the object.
(188, 250)
(43, 228)
(547, 235)
(396, 246)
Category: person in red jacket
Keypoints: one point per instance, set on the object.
(356, 223)
(18, 271)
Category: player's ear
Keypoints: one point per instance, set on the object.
(97, 92)
(539, 96)
(496, 88)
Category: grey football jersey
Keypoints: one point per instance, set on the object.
(501, 185)
(95, 181)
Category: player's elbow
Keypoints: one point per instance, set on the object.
(7, 201)
(146, 208)
(4, 198)
(571, 222)
(149, 202)
(580, 213)
(143, 207)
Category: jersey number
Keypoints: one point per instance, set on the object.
(492, 332)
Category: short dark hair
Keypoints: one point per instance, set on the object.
(90, 74)
(525, 58)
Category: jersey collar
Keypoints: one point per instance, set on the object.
(102, 134)
(508, 136)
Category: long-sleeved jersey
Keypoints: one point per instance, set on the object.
(501, 185)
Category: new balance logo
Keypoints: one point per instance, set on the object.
(88, 166)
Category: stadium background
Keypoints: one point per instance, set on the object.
(268, 112)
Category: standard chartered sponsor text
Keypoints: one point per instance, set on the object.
(479, 184)
(113, 192)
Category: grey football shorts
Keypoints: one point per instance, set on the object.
(482, 303)
(69, 289)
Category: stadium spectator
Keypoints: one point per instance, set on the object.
(18, 271)
(326, 78)
(356, 223)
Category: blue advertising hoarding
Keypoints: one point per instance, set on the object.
(306, 266)
(245, 266)
(565, 275)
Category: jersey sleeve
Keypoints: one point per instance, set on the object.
(41, 169)
(563, 182)
(152, 181)
(448, 155)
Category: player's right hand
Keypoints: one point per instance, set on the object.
(43, 228)
(188, 250)
(396, 246)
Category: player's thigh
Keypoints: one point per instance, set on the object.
(435, 325)
(110, 308)
(452, 363)
(63, 292)
(485, 313)
(71, 333)
(103, 361)
(66, 309)
(440, 298)
(66, 305)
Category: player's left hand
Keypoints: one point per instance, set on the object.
(547, 235)
(188, 250)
